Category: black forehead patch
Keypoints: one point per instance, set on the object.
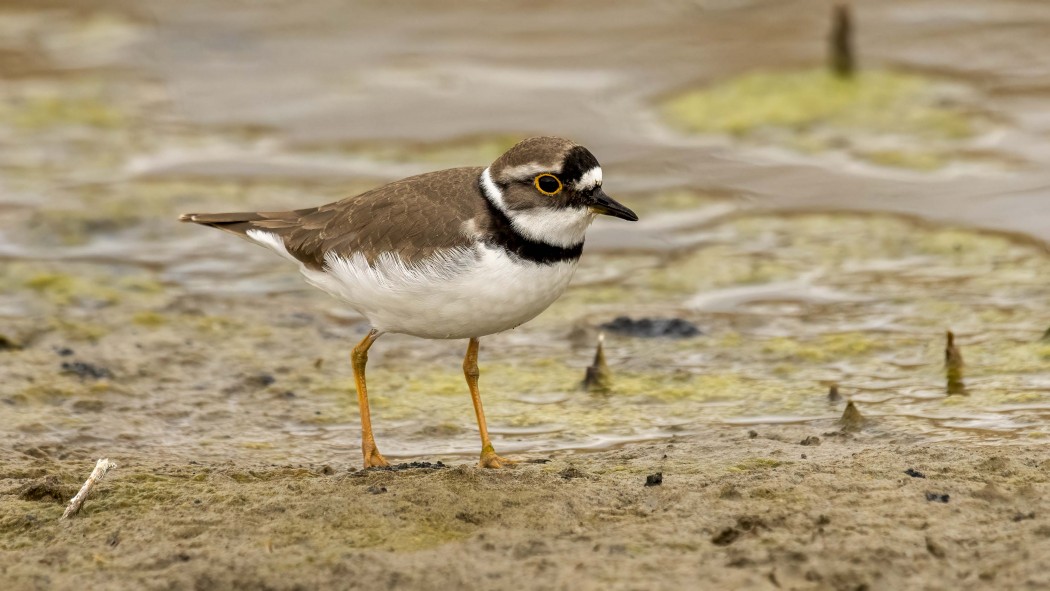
(577, 162)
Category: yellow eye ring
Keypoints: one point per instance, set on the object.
(541, 182)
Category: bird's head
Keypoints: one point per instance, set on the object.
(550, 189)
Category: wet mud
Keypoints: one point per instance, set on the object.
(725, 510)
(774, 406)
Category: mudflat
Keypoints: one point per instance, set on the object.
(799, 507)
(219, 383)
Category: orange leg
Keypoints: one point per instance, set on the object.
(358, 359)
(489, 459)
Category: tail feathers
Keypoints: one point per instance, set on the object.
(281, 232)
(242, 222)
(219, 218)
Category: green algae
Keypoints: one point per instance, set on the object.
(757, 464)
(64, 289)
(57, 388)
(47, 112)
(80, 330)
(396, 391)
(913, 278)
(921, 160)
(879, 101)
(149, 318)
(814, 110)
(827, 347)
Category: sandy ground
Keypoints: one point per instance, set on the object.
(220, 387)
(736, 509)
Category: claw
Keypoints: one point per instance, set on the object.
(489, 459)
(374, 459)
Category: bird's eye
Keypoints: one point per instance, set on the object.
(548, 184)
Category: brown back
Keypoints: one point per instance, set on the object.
(414, 217)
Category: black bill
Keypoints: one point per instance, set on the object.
(603, 204)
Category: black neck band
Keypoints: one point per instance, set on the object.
(504, 235)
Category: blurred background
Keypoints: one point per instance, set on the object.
(823, 192)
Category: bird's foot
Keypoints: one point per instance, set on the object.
(373, 459)
(489, 459)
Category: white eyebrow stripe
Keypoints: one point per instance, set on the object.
(590, 179)
(527, 171)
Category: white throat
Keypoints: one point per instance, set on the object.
(562, 226)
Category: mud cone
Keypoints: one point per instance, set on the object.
(851, 421)
(598, 378)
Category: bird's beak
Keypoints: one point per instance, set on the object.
(602, 203)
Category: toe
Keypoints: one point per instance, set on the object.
(373, 459)
(494, 461)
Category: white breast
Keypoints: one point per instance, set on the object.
(458, 293)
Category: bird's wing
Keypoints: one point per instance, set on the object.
(413, 217)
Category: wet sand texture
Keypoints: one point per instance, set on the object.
(801, 232)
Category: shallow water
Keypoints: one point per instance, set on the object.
(779, 244)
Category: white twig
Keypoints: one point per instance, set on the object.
(103, 466)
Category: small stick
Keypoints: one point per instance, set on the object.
(840, 43)
(953, 365)
(103, 466)
(833, 393)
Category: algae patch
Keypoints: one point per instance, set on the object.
(753, 464)
(814, 110)
(49, 112)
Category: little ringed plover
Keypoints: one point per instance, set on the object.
(452, 254)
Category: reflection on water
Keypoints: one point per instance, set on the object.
(114, 120)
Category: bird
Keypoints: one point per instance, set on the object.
(460, 253)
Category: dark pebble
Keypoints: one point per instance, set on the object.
(49, 489)
(811, 440)
(726, 537)
(914, 473)
(86, 370)
(88, 406)
(572, 472)
(1023, 516)
(468, 518)
(654, 479)
(260, 381)
(937, 497)
(64, 352)
(674, 328)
